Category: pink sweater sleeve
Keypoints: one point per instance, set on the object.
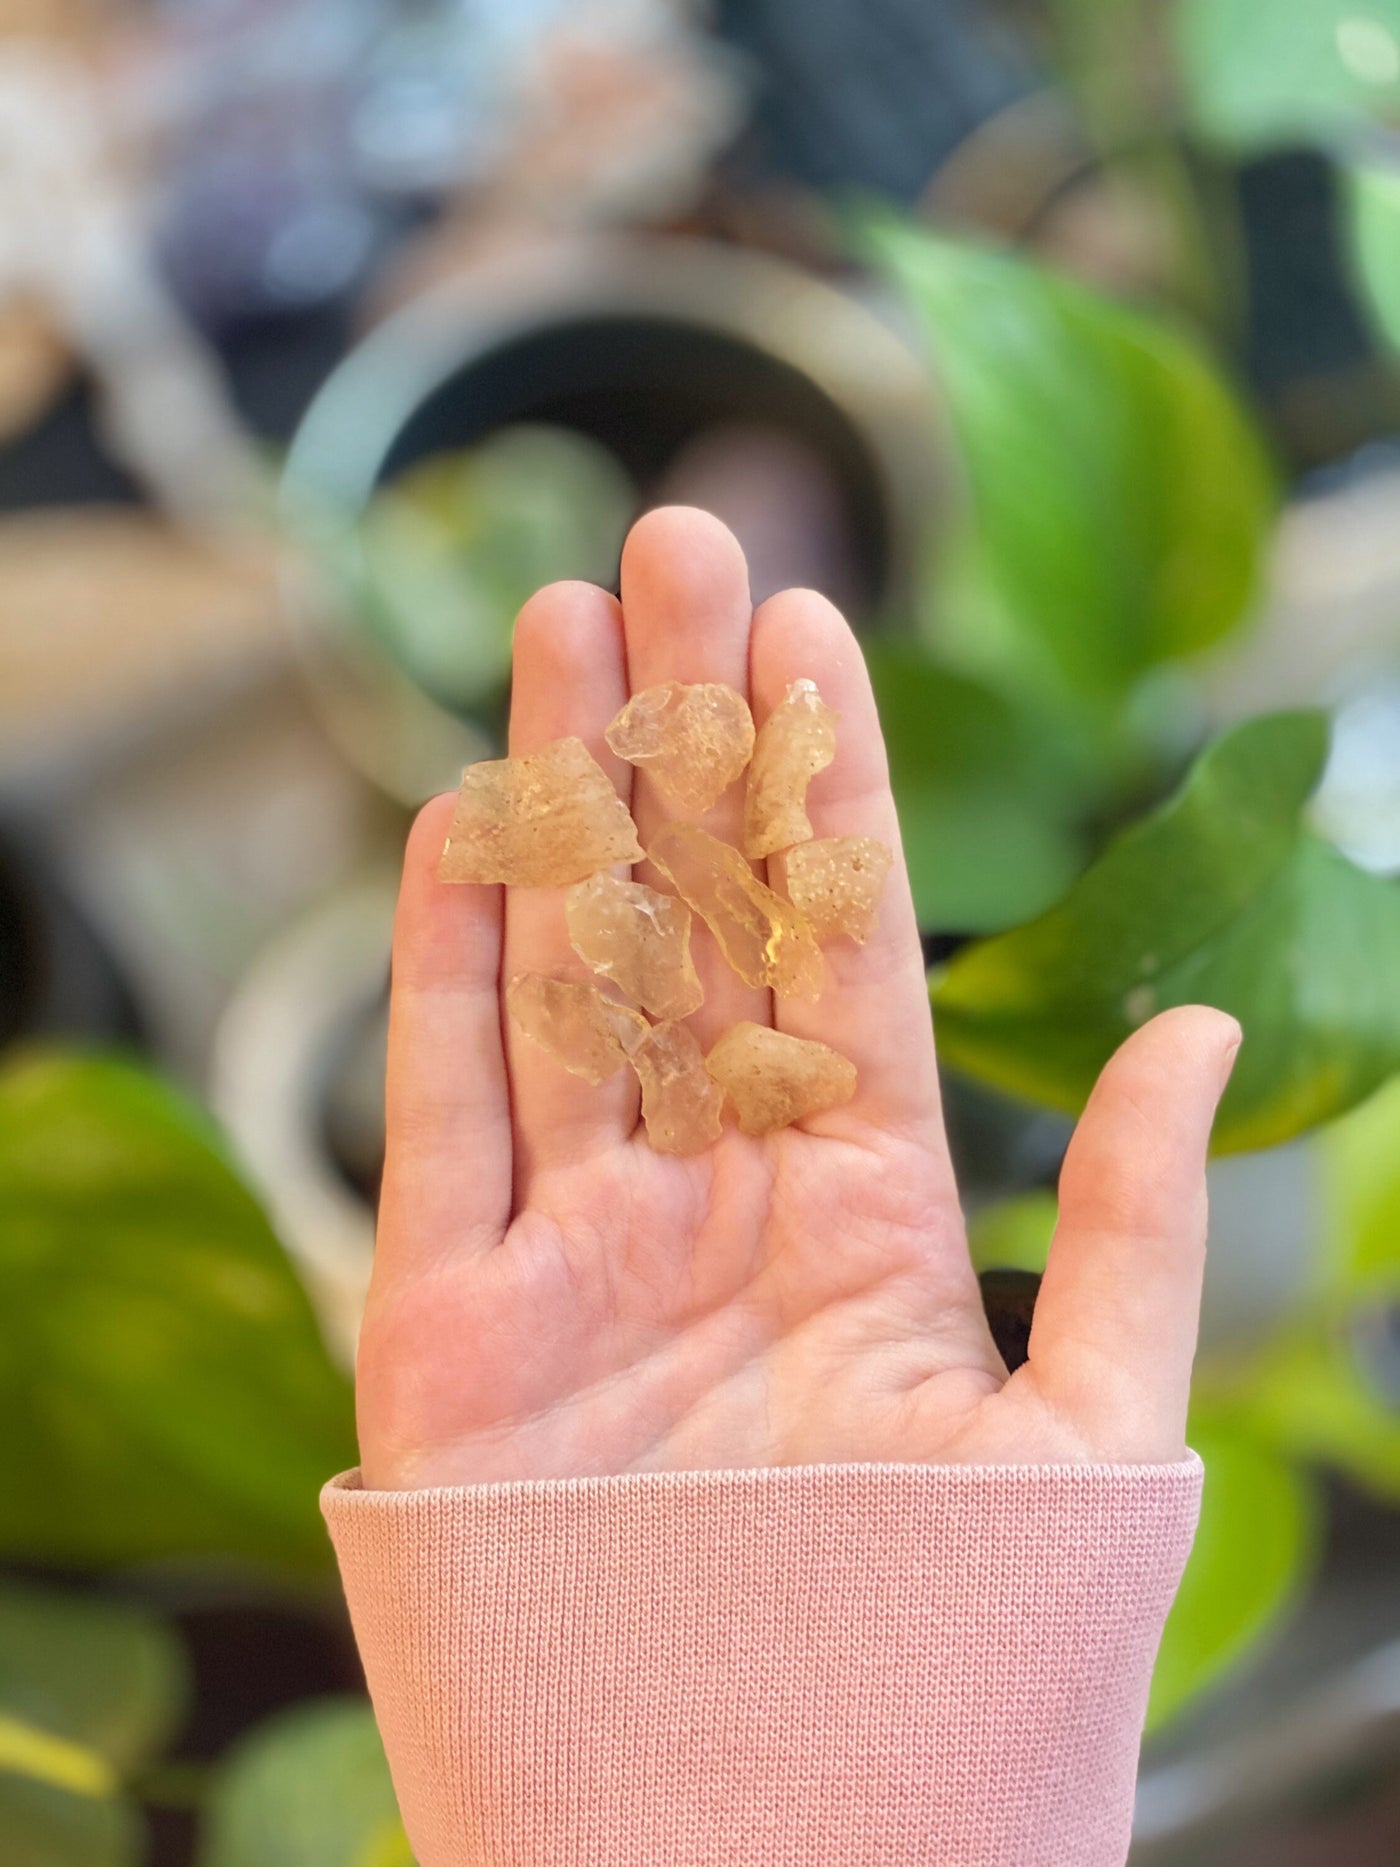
(820, 1666)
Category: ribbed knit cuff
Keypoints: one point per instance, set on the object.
(817, 1666)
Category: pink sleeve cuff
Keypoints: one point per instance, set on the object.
(818, 1666)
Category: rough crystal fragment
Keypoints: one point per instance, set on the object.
(550, 817)
(835, 883)
(773, 1080)
(638, 938)
(763, 937)
(579, 1026)
(681, 1102)
(795, 742)
(692, 741)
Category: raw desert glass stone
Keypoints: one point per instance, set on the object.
(548, 818)
(638, 938)
(835, 883)
(763, 937)
(795, 742)
(578, 1025)
(681, 1102)
(773, 1080)
(692, 741)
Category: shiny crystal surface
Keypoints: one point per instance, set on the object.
(549, 818)
(580, 1027)
(836, 882)
(764, 938)
(638, 938)
(692, 741)
(773, 1080)
(795, 742)
(681, 1102)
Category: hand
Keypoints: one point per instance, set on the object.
(552, 1299)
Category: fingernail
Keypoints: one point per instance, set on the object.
(1228, 1055)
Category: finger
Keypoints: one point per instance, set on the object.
(447, 1160)
(1114, 1332)
(686, 610)
(568, 679)
(875, 1006)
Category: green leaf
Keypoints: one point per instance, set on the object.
(1360, 1159)
(1261, 73)
(90, 1690)
(1223, 897)
(991, 797)
(1255, 1551)
(48, 1827)
(1373, 209)
(308, 1789)
(1120, 494)
(176, 1394)
(102, 1675)
(1013, 1234)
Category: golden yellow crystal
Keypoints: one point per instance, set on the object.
(638, 938)
(692, 741)
(836, 882)
(681, 1102)
(580, 1027)
(548, 818)
(763, 937)
(795, 742)
(772, 1079)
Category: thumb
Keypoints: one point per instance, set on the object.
(1114, 1333)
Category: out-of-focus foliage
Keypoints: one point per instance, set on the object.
(1325, 1384)
(1013, 1234)
(90, 1692)
(1120, 494)
(1221, 896)
(153, 1337)
(991, 796)
(1261, 73)
(1255, 1550)
(310, 1788)
(1374, 200)
(451, 548)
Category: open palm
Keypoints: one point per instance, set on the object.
(553, 1299)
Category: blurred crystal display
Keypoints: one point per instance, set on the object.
(639, 939)
(692, 741)
(773, 1079)
(547, 818)
(795, 742)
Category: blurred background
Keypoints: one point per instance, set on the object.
(1059, 341)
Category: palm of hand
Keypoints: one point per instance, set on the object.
(551, 1298)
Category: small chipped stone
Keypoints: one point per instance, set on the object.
(773, 1080)
(682, 1105)
(692, 741)
(764, 938)
(589, 1033)
(836, 882)
(638, 938)
(543, 820)
(795, 742)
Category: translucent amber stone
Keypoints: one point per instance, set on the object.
(692, 741)
(795, 742)
(638, 938)
(578, 1025)
(773, 1080)
(681, 1102)
(836, 882)
(550, 817)
(763, 937)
